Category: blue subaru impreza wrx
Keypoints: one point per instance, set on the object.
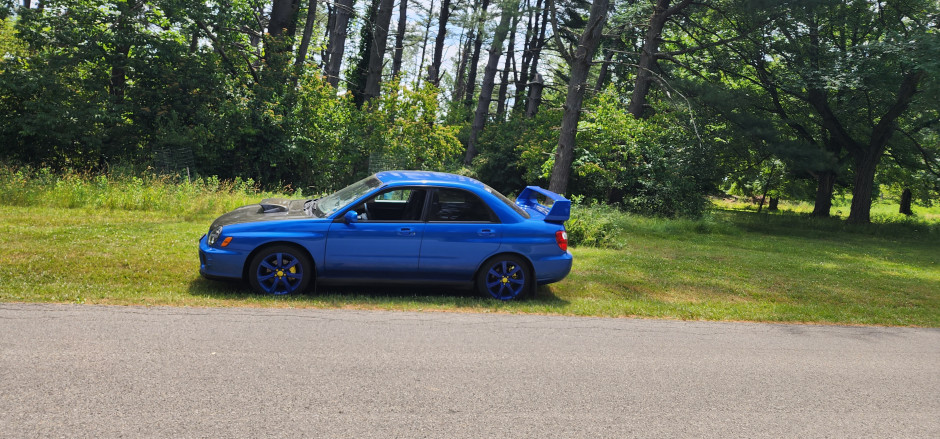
(396, 226)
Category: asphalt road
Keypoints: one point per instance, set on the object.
(125, 371)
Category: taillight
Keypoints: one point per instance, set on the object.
(561, 237)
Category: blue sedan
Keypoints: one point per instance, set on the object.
(395, 227)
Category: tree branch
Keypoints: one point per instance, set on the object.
(218, 48)
(568, 56)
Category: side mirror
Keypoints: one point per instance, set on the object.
(351, 217)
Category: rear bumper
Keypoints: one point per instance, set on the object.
(216, 263)
(552, 269)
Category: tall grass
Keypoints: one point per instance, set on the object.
(176, 195)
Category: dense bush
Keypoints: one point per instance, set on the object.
(656, 166)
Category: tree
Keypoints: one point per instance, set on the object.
(336, 46)
(509, 9)
(507, 67)
(839, 76)
(367, 74)
(305, 40)
(434, 70)
(400, 37)
(279, 42)
(663, 10)
(475, 56)
(580, 61)
(376, 57)
(424, 45)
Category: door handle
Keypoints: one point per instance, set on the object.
(486, 232)
(406, 231)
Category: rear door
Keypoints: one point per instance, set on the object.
(461, 231)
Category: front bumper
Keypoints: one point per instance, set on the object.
(216, 263)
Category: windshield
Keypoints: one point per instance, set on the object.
(329, 204)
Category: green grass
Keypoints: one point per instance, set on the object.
(731, 265)
(882, 211)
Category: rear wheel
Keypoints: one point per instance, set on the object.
(280, 270)
(504, 277)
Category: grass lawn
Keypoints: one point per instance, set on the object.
(734, 265)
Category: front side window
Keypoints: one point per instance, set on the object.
(394, 205)
(458, 206)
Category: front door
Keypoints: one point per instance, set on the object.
(384, 242)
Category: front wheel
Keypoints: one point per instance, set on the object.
(280, 270)
(504, 277)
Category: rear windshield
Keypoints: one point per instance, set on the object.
(507, 201)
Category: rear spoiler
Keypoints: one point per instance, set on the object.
(559, 211)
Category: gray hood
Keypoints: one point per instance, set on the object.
(269, 209)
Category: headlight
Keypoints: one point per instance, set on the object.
(214, 235)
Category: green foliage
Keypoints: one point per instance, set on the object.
(512, 154)
(10, 45)
(401, 125)
(655, 166)
(594, 225)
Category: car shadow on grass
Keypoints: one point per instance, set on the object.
(405, 297)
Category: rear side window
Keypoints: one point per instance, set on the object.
(458, 206)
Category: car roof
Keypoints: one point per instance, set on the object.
(427, 177)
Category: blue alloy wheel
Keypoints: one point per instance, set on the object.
(280, 270)
(504, 277)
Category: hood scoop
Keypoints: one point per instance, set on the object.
(274, 205)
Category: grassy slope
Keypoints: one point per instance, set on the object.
(734, 266)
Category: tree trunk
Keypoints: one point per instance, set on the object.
(644, 75)
(510, 9)
(504, 78)
(279, 42)
(867, 158)
(580, 66)
(305, 40)
(434, 71)
(475, 58)
(522, 78)
(325, 49)
(424, 47)
(605, 72)
(118, 80)
(400, 37)
(825, 184)
(460, 81)
(865, 164)
(535, 96)
(906, 198)
(774, 204)
(376, 57)
(118, 58)
(337, 45)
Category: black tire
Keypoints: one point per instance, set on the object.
(505, 277)
(281, 269)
